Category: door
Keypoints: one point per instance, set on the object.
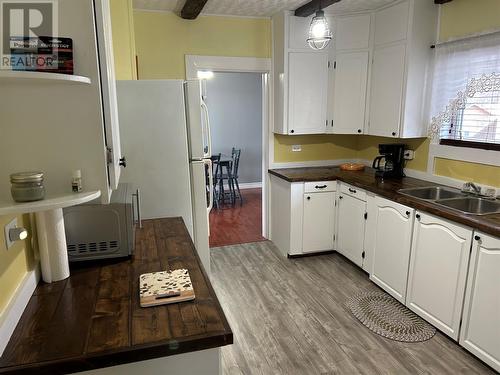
(480, 333)
(351, 228)
(318, 222)
(438, 271)
(387, 84)
(351, 74)
(308, 84)
(108, 90)
(391, 252)
(198, 123)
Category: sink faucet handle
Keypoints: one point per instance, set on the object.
(471, 187)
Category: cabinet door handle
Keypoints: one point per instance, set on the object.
(359, 131)
(308, 198)
(341, 197)
(393, 134)
(407, 213)
(292, 131)
(417, 216)
(352, 190)
(477, 238)
(321, 186)
(123, 162)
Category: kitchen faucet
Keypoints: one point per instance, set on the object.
(471, 187)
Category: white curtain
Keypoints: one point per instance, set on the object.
(462, 69)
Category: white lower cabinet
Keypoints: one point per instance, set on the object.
(438, 271)
(318, 223)
(391, 250)
(480, 333)
(351, 227)
(302, 216)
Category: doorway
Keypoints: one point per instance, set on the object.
(229, 84)
(235, 102)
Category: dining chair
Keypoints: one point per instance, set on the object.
(233, 178)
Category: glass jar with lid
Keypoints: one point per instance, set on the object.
(27, 186)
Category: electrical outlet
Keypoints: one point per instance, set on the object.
(7, 228)
(296, 148)
(409, 155)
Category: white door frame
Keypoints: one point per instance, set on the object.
(195, 63)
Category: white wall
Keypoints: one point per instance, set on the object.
(235, 103)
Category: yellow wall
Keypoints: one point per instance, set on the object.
(314, 147)
(367, 147)
(122, 24)
(163, 39)
(463, 17)
(15, 262)
(480, 173)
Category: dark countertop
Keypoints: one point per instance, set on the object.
(93, 319)
(389, 189)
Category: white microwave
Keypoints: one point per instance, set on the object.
(103, 231)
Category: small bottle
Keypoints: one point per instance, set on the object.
(76, 182)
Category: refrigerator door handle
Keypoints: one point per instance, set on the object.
(208, 163)
(208, 153)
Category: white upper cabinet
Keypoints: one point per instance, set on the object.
(402, 55)
(300, 78)
(438, 271)
(391, 24)
(308, 85)
(480, 332)
(352, 32)
(391, 252)
(299, 30)
(351, 72)
(387, 90)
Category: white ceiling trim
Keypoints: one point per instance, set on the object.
(258, 8)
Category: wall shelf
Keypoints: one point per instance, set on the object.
(41, 77)
(49, 203)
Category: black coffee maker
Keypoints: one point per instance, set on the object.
(393, 155)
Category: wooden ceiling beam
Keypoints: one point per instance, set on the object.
(192, 8)
(312, 7)
(441, 1)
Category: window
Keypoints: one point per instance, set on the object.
(465, 102)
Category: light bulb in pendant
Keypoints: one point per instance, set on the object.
(319, 32)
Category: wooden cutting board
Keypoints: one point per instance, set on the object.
(165, 287)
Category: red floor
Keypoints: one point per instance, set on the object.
(231, 225)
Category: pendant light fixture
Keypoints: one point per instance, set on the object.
(319, 31)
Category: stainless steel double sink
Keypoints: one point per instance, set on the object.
(454, 199)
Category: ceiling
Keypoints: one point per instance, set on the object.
(257, 8)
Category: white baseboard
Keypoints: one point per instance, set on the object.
(14, 310)
(251, 185)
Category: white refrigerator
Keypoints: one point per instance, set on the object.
(165, 133)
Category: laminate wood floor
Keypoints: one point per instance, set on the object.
(230, 225)
(288, 317)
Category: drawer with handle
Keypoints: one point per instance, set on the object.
(318, 187)
(353, 191)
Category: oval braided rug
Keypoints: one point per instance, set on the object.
(387, 317)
